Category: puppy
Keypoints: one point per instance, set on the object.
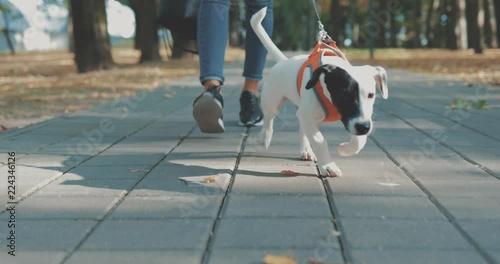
(334, 90)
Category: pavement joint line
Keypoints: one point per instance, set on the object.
(346, 255)
(27, 129)
(210, 241)
(454, 121)
(463, 156)
(52, 179)
(122, 197)
(451, 218)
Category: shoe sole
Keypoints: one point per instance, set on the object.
(208, 114)
(250, 124)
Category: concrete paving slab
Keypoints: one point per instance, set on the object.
(485, 232)
(269, 180)
(105, 159)
(256, 256)
(387, 207)
(276, 206)
(137, 256)
(464, 188)
(50, 235)
(168, 207)
(402, 234)
(27, 257)
(184, 180)
(87, 187)
(469, 208)
(261, 233)
(39, 207)
(201, 158)
(30, 178)
(107, 172)
(394, 186)
(148, 234)
(437, 256)
(62, 162)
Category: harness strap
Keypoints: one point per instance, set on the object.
(313, 62)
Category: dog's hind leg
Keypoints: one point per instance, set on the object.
(270, 107)
(352, 147)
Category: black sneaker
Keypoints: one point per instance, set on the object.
(207, 110)
(250, 114)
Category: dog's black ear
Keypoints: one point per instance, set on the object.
(326, 68)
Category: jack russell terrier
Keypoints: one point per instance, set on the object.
(349, 96)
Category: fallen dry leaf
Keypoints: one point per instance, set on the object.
(289, 173)
(168, 96)
(283, 259)
(209, 180)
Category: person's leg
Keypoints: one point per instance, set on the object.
(255, 60)
(256, 53)
(213, 23)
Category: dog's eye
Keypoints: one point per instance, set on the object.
(371, 95)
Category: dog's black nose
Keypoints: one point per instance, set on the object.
(362, 128)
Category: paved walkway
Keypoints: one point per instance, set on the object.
(135, 181)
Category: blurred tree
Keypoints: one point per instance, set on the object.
(6, 31)
(429, 32)
(236, 24)
(496, 7)
(337, 21)
(146, 30)
(452, 12)
(489, 23)
(91, 38)
(474, 32)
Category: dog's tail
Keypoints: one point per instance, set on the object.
(255, 21)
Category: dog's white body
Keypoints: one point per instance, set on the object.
(281, 85)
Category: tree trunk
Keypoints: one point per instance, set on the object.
(336, 12)
(496, 4)
(383, 20)
(461, 27)
(428, 25)
(489, 23)
(146, 30)
(473, 28)
(91, 38)
(452, 13)
(6, 32)
(417, 9)
(393, 28)
(183, 48)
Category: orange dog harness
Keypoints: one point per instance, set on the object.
(321, 50)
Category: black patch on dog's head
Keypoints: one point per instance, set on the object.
(344, 90)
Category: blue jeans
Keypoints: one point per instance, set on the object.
(213, 27)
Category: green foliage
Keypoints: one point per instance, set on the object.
(462, 104)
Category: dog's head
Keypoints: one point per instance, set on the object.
(353, 93)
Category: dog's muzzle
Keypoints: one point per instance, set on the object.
(358, 127)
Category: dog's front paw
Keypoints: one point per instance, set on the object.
(307, 154)
(330, 170)
(347, 149)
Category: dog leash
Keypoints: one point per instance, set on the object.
(323, 36)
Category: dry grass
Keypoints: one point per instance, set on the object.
(42, 85)
(461, 65)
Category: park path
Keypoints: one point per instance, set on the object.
(135, 181)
